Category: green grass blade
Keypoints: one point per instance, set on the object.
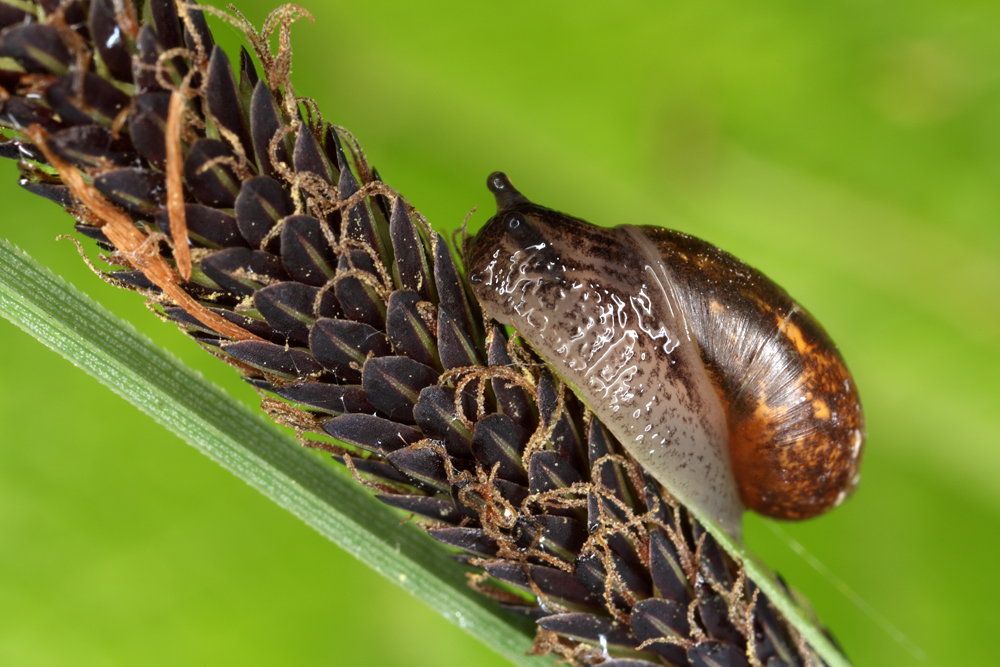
(244, 442)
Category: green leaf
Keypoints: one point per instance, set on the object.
(245, 443)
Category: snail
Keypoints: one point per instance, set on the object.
(716, 382)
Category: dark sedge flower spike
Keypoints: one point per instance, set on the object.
(261, 230)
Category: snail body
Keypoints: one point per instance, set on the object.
(716, 381)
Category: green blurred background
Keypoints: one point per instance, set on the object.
(850, 150)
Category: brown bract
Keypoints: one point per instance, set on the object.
(129, 240)
(175, 184)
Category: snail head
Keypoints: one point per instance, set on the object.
(526, 250)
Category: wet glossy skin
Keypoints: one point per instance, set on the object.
(698, 364)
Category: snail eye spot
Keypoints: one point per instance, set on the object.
(514, 222)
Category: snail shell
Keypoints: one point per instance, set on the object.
(711, 376)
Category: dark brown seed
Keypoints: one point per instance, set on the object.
(628, 662)
(393, 385)
(147, 125)
(91, 146)
(598, 629)
(204, 289)
(660, 510)
(712, 560)
(666, 571)
(662, 619)
(255, 327)
(278, 360)
(110, 40)
(196, 32)
(715, 616)
(92, 232)
(381, 204)
(408, 331)
(37, 48)
(339, 343)
(608, 472)
(10, 15)
(135, 279)
(332, 398)
(378, 469)
(473, 540)
(456, 348)
(243, 271)
(11, 149)
(422, 465)
(612, 477)
(139, 190)
(550, 581)
(305, 251)
(165, 20)
(73, 14)
(265, 121)
(224, 100)
(102, 100)
(716, 654)
(435, 414)
(19, 112)
(209, 175)
(590, 571)
(360, 223)
(449, 284)
(559, 536)
(207, 227)
(436, 509)
(498, 440)
(513, 493)
(548, 471)
(248, 81)
(512, 399)
(411, 257)
(308, 158)
(770, 640)
(358, 297)
(372, 433)
(59, 194)
(28, 151)
(261, 204)
(469, 502)
(565, 438)
(629, 566)
(10, 73)
(146, 66)
(290, 309)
